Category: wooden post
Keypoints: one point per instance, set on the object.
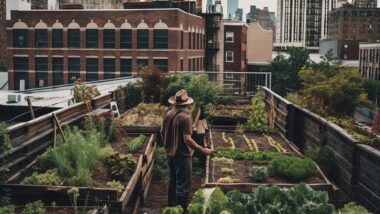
(56, 121)
(30, 108)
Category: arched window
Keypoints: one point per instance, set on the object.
(109, 35)
(160, 36)
(20, 35)
(126, 35)
(41, 35)
(142, 36)
(73, 35)
(57, 35)
(92, 35)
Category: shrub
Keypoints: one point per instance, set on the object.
(292, 168)
(173, 210)
(48, 178)
(133, 95)
(36, 207)
(136, 144)
(10, 209)
(259, 174)
(353, 208)
(83, 92)
(116, 185)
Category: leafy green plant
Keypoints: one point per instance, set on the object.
(116, 185)
(227, 180)
(258, 117)
(160, 167)
(9, 209)
(173, 210)
(259, 174)
(74, 159)
(36, 207)
(244, 155)
(211, 201)
(299, 199)
(227, 171)
(292, 168)
(145, 114)
(50, 177)
(136, 144)
(5, 147)
(353, 208)
(120, 166)
(74, 194)
(133, 93)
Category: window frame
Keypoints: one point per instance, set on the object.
(232, 40)
(142, 39)
(25, 38)
(57, 41)
(125, 38)
(92, 38)
(73, 38)
(232, 56)
(109, 38)
(159, 34)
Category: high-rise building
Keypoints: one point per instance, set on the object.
(369, 60)
(39, 4)
(239, 14)
(3, 32)
(232, 6)
(209, 2)
(302, 23)
(365, 3)
(253, 13)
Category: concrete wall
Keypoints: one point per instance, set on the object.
(259, 43)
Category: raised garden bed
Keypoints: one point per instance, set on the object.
(239, 162)
(128, 200)
(229, 114)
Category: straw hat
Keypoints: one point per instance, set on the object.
(181, 98)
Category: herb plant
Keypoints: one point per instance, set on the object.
(160, 167)
(227, 171)
(120, 166)
(36, 207)
(259, 174)
(173, 210)
(258, 117)
(136, 144)
(353, 208)
(48, 178)
(9, 209)
(243, 155)
(211, 201)
(292, 168)
(116, 185)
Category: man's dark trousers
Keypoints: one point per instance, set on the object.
(180, 180)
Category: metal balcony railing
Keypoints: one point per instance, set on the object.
(212, 45)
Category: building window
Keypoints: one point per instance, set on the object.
(91, 69)
(73, 38)
(194, 40)
(109, 68)
(160, 39)
(41, 38)
(20, 38)
(229, 37)
(189, 65)
(229, 56)
(21, 74)
(109, 38)
(181, 65)
(41, 72)
(74, 69)
(142, 63)
(57, 71)
(161, 64)
(125, 67)
(126, 38)
(142, 38)
(92, 38)
(181, 39)
(57, 39)
(189, 39)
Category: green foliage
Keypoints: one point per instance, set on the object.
(83, 92)
(120, 166)
(36, 207)
(338, 91)
(227, 171)
(353, 208)
(116, 185)
(300, 199)
(285, 70)
(10, 209)
(173, 210)
(5, 146)
(210, 201)
(259, 174)
(372, 88)
(48, 178)
(133, 95)
(244, 155)
(74, 159)
(74, 194)
(200, 88)
(295, 98)
(258, 117)
(160, 167)
(145, 114)
(152, 85)
(322, 155)
(292, 168)
(225, 100)
(136, 144)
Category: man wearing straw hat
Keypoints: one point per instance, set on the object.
(179, 146)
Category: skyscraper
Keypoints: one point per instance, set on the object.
(302, 23)
(232, 6)
(209, 2)
(365, 3)
(239, 14)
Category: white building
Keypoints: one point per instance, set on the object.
(17, 5)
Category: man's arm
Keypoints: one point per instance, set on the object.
(190, 142)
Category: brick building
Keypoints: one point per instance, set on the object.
(235, 46)
(50, 47)
(348, 26)
(369, 61)
(3, 32)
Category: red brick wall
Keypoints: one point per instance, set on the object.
(3, 33)
(239, 47)
(174, 18)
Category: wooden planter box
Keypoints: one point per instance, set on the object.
(247, 186)
(129, 201)
(227, 119)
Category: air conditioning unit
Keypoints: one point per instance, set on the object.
(14, 98)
